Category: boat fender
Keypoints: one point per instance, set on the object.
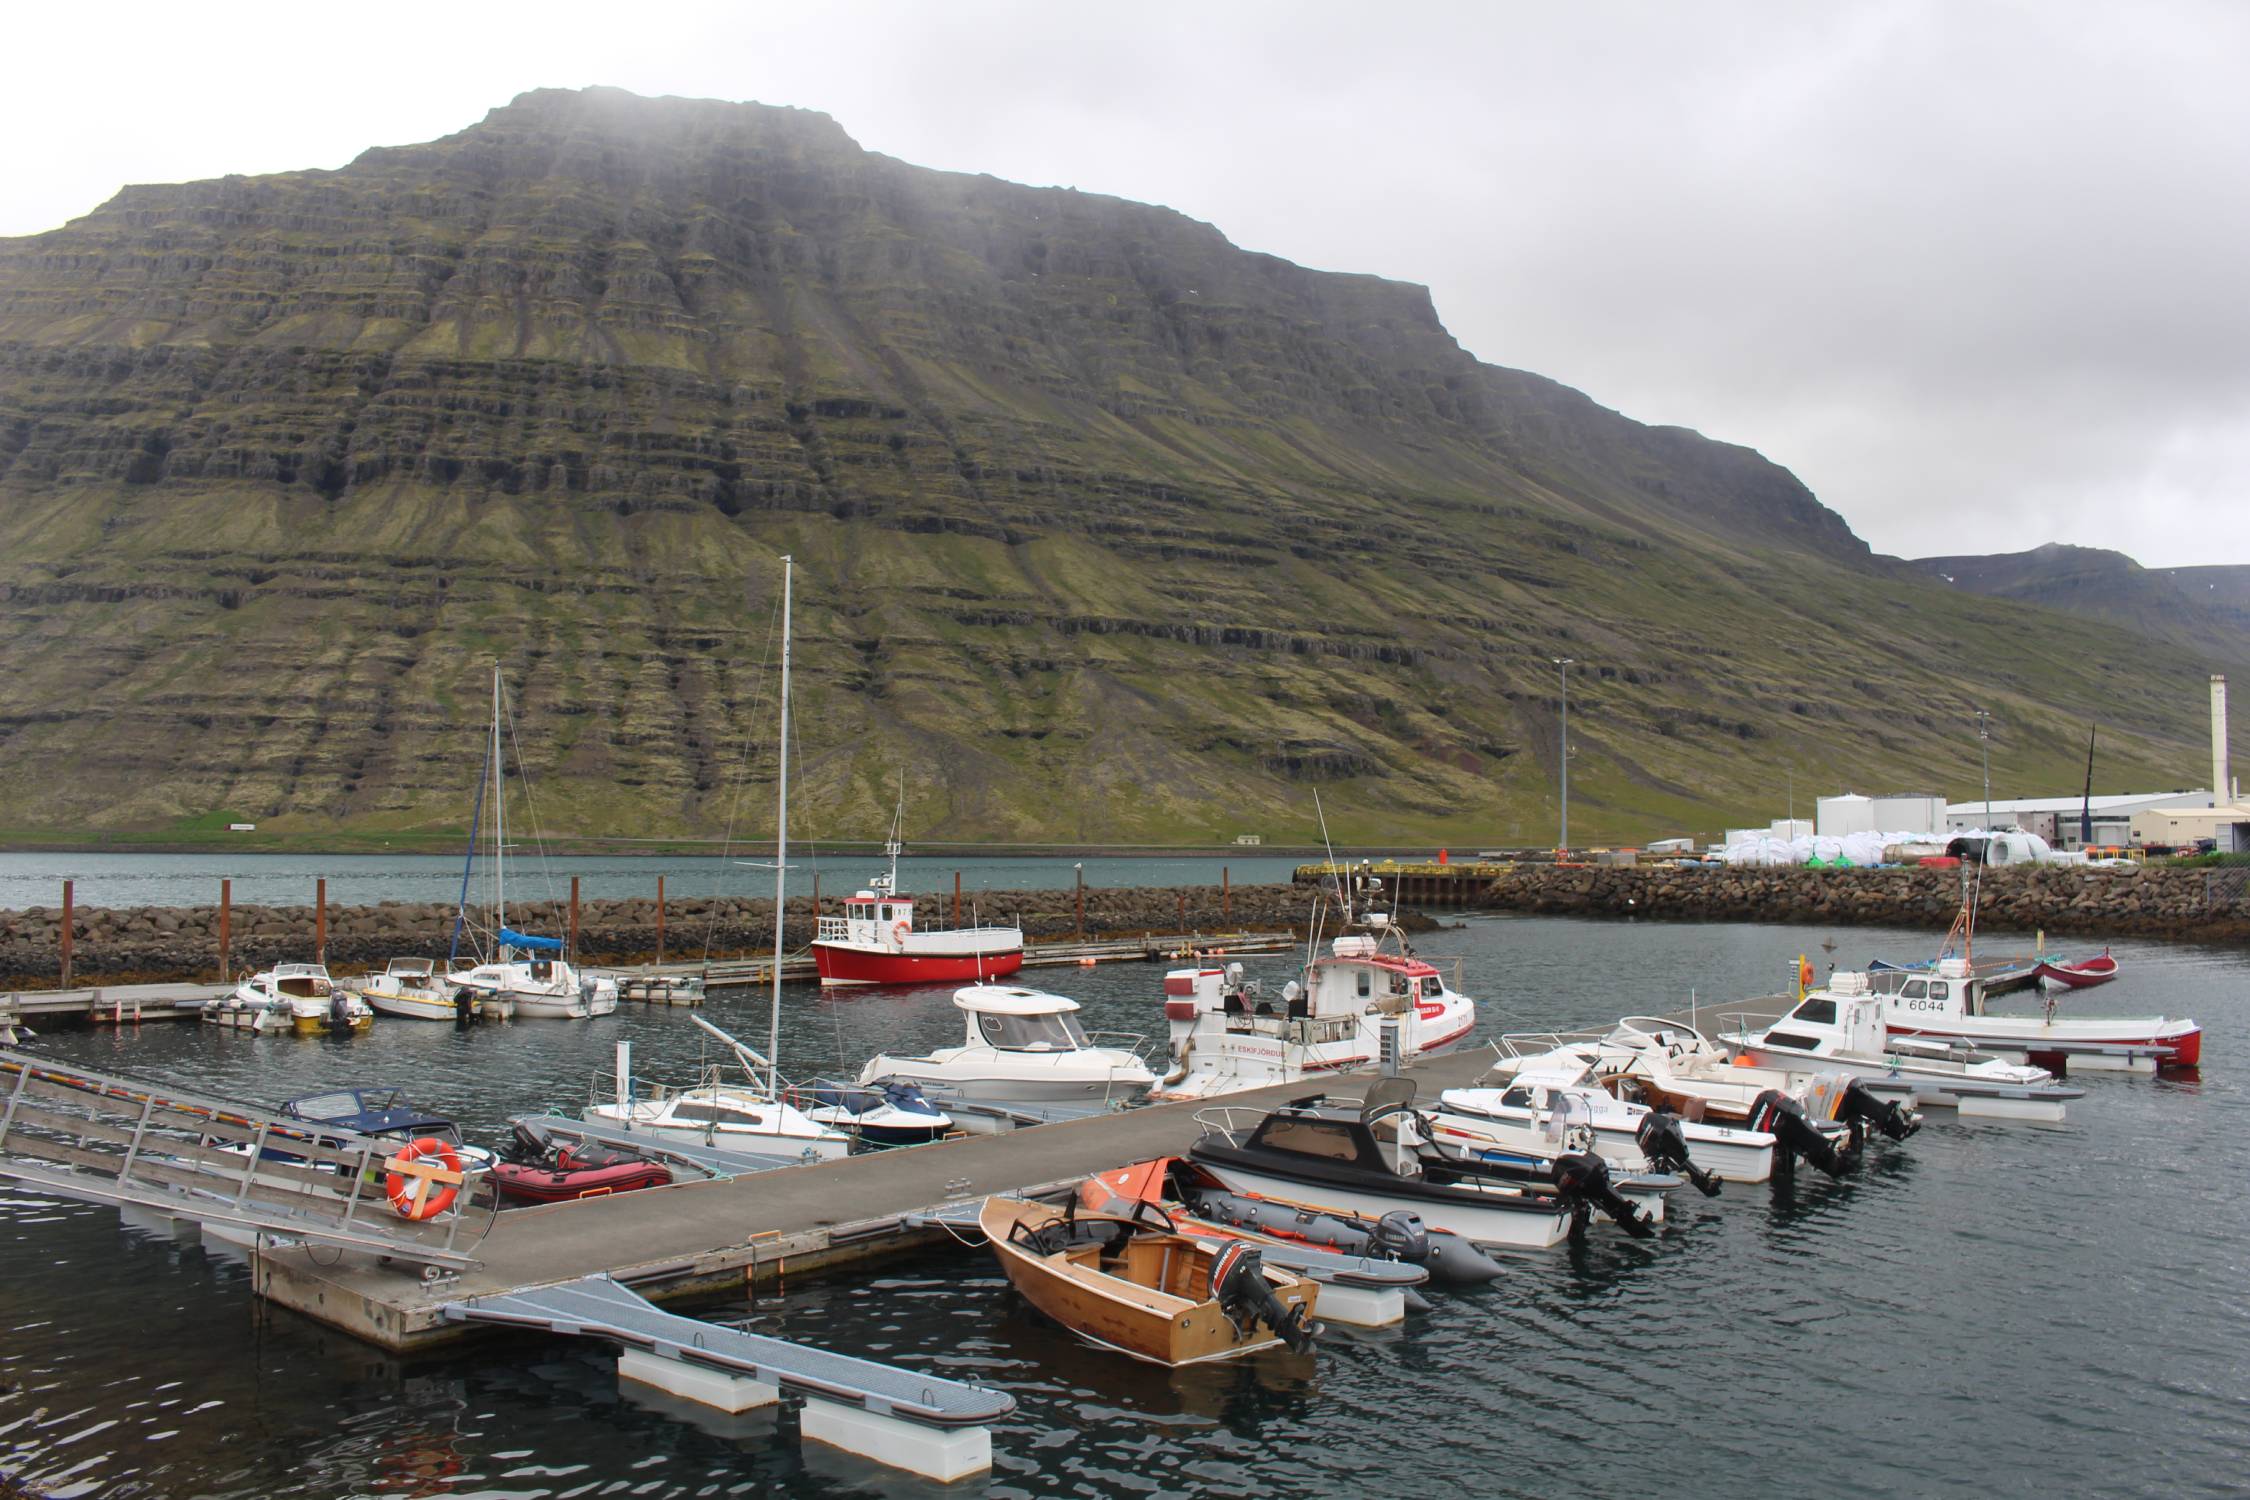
(402, 1188)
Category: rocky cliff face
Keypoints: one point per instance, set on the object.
(1108, 529)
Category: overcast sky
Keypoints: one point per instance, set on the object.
(1978, 272)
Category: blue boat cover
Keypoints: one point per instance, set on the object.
(530, 944)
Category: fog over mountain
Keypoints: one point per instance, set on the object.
(1972, 270)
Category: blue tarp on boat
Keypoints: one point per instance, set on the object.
(530, 944)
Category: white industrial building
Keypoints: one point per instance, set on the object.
(2058, 820)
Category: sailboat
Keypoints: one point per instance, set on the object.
(757, 1118)
(531, 973)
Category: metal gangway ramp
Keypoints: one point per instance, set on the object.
(924, 1423)
(213, 1162)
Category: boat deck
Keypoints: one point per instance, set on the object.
(701, 1237)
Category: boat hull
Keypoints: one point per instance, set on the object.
(856, 964)
(1979, 1098)
(409, 1007)
(1525, 1228)
(2047, 1045)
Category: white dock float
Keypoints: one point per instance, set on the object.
(925, 1424)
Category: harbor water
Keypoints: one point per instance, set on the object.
(1984, 1310)
(28, 880)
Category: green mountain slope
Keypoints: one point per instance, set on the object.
(1108, 530)
(2206, 609)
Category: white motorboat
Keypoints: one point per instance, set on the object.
(1225, 1037)
(890, 1114)
(411, 989)
(1842, 1028)
(1538, 1106)
(540, 988)
(1945, 1003)
(1023, 1047)
(291, 997)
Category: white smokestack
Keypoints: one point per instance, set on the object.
(2221, 787)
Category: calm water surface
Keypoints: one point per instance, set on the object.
(28, 880)
(1986, 1310)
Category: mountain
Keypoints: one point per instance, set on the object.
(2205, 609)
(1106, 528)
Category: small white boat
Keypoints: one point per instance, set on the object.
(754, 1119)
(291, 997)
(1023, 1047)
(1536, 1108)
(1841, 1028)
(539, 988)
(411, 989)
(1946, 1003)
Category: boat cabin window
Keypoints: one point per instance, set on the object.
(1331, 1140)
(1916, 989)
(1043, 1033)
(338, 1106)
(1937, 989)
(1518, 1097)
(1817, 1010)
(1364, 985)
(720, 1113)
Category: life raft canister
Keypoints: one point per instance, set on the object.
(411, 1194)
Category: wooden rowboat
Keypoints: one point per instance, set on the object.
(1137, 1286)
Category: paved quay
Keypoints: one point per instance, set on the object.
(705, 1237)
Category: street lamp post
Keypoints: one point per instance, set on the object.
(1563, 665)
(1984, 746)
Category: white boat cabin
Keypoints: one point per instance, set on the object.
(1011, 1018)
(873, 919)
(1913, 998)
(1834, 1023)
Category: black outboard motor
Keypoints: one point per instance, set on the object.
(1238, 1281)
(1893, 1119)
(1582, 1179)
(1664, 1143)
(339, 1011)
(1399, 1236)
(1776, 1114)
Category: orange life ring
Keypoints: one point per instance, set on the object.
(410, 1192)
(899, 930)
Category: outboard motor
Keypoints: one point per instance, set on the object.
(1399, 1236)
(1238, 1281)
(1893, 1119)
(339, 1011)
(1776, 1114)
(1582, 1178)
(1664, 1143)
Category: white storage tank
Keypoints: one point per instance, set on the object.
(1792, 828)
(1834, 817)
(1909, 812)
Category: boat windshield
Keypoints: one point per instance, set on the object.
(1044, 1033)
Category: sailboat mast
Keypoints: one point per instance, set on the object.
(499, 822)
(780, 837)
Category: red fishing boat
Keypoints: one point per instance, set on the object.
(875, 941)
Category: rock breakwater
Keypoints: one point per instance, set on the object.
(121, 945)
(2203, 904)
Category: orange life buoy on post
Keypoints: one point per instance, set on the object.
(901, 929)
(423, 1195)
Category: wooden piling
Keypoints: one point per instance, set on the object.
(1081, 871)
(1226, 896)
(574, 917)
(226, 930)
(1183, 911)
(68, 887)
(956, 898)
(660, 919)
(320, 920)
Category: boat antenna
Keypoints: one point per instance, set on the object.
(499, 825)
(1343, 886)
(2086, 807)
(780, 840)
